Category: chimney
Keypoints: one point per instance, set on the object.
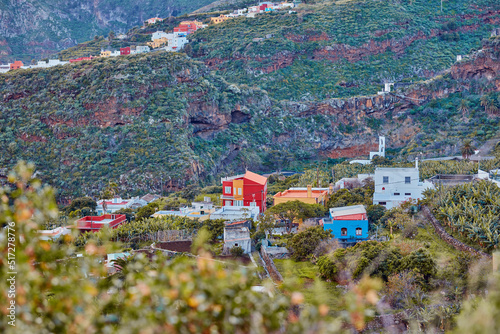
(309, 191)
(416, 162)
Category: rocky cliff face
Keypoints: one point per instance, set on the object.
(36, 29)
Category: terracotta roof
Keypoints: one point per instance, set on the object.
(301, 193)
(255, 177)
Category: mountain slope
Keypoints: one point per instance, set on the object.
(36, 29)
(161, 117)
(345, 48)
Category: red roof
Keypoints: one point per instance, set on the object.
(97, 222)
(255, 177)
(358, 216)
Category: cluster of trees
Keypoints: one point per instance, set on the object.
(471, 211)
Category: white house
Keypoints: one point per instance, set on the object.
(236, 213)
(142, 49)
(53, 234)
(237, 236)
(4, 68)
(118, 203)
(158, 35)
(393, 186)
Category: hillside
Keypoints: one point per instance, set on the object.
(345, 48)
(143, 119)
(37, 29)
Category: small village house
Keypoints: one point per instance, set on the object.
(237, 237)
(247, 189)
(106, 53)
(394, 186)
(219, 19)
(349, 224)
(125, 51)
(117, 203)
(153, 20)
(198, 210)
(16, 65)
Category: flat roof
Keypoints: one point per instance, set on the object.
(301, 193)
(403, 169)
(347, 210)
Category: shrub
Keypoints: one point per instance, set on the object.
(237, 251)
(303, 244)
(327, 268)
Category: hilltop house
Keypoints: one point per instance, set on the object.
(349, 224)
(153, 20)
(4, 68)
(237, 236)
(16, 65)
(219, 19)
(53, 234)
(307, 195)
(247, 189)
(394, 186)
(125, 51)
(118, 203)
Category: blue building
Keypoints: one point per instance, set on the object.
(349, 224)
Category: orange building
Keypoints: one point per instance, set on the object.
(16, 65)
(220, 19)
(308, 196)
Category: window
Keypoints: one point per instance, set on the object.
(407, 179)
(235, 191)
(253, 204)
(397, 194)
(229, 203)
(385, 179)
(358, 230)
(343, 231)
(382, 203)
(236, 245)
(202, 212)
(238, 203)
(407, 194)
(227, 190)
(239, 191)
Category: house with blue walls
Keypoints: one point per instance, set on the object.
(349, 224)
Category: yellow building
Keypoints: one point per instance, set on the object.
(220, 19)
(156, 43)
(105, 53)
(309, 195)
(197, 23)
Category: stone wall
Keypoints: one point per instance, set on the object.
(448, 238)
(271, 268)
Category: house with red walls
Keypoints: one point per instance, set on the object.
(16, 65)
(125, 51)
(247, 189)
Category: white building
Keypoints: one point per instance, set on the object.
(381, 148)
(158, 35)
(142, 49)
(236, 213)
(54, 234)
(4, 68)
(115, 53)
(393, 186)
(118, 203)
(237, 237)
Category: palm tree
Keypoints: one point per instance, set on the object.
(463, 107)
(489, 104)
(467, 149)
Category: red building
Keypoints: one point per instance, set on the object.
(95, 223)
(79, 59)
(188, 28)
(247, 189)
(125, 51)
(16, 65)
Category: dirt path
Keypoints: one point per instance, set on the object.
(486, 148)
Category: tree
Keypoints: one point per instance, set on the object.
(303, 244)
(111, 36)
(146, 211)
(295, 210)
(237, 251)
(375, 213)
(81, 202)
(215, 227)
(467, 149)
(463, 107)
